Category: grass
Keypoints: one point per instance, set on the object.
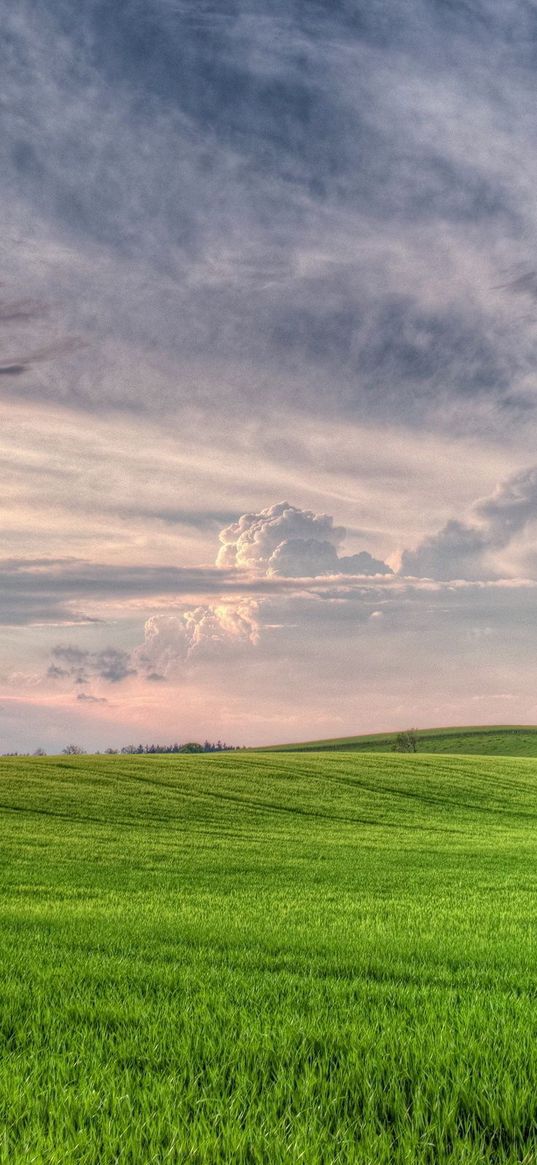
(482, 740)
(262, 958)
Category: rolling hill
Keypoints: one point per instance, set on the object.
(481, 740)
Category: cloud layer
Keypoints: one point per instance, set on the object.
(283, 198)
(290, 559)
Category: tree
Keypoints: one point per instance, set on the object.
(192, 746)
(39, 752)
(406, 741)
(73, 750)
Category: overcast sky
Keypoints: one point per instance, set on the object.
(268, 351)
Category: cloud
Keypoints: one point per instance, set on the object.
(24, 362)
(202, 633)
(21, 309)
(86, 698)
(70, 592)
(292, 196)
(286, 541)
(511, 507)
(79, 666)
(472, 549)
(294, 242)
(53, 590)
(456, 551)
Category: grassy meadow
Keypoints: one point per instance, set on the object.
(268, 958)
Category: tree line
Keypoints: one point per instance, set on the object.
(192, 746)
(406, 741)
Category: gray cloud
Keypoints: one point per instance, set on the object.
(23, 363)
(282, 198)
(80, 666)
(457, 551)
(53, 590)
(467, 550)
(21, 309)
(23, 324)
(511, 507)
(307, 557)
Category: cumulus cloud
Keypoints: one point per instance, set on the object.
(202, 633)
(470, 550)
(286, 541)
(457, 551)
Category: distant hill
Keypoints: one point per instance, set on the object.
(483, 740)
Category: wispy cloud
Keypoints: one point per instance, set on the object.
(49, 591)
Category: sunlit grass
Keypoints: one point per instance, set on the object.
(268, 958)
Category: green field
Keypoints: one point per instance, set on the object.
(260, 958)
(482, 740)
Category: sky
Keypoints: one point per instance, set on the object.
(268, 351)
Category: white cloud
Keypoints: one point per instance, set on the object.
(202, 633)
(286, 541)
